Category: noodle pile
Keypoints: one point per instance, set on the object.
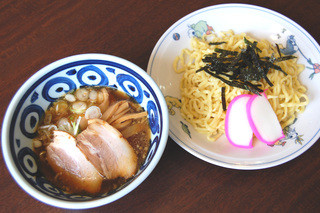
(201, 93)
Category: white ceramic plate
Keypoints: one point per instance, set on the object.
(259, 23)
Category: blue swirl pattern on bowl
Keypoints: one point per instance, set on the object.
(56, 83)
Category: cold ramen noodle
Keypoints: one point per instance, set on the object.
(201, 90)
(92, 140)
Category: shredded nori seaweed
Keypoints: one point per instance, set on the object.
(242, 69)
(278, 49)
(217, 43)
(223, 98)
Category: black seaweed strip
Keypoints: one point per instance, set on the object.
(278, 48)
(253, 45)
(223, 98)
(217, 43)
(284, 58)
(253, 88)
(268, 81)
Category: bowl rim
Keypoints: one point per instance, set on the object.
(19, 179)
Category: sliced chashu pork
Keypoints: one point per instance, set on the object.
(107, 150)
(74, 170)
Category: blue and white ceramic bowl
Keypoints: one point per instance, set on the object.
(51, 82)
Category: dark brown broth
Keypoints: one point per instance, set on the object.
(140, 142)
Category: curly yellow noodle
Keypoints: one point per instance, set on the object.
(201, 93)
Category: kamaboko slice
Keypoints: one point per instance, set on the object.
(237, 127)
(263, 120)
